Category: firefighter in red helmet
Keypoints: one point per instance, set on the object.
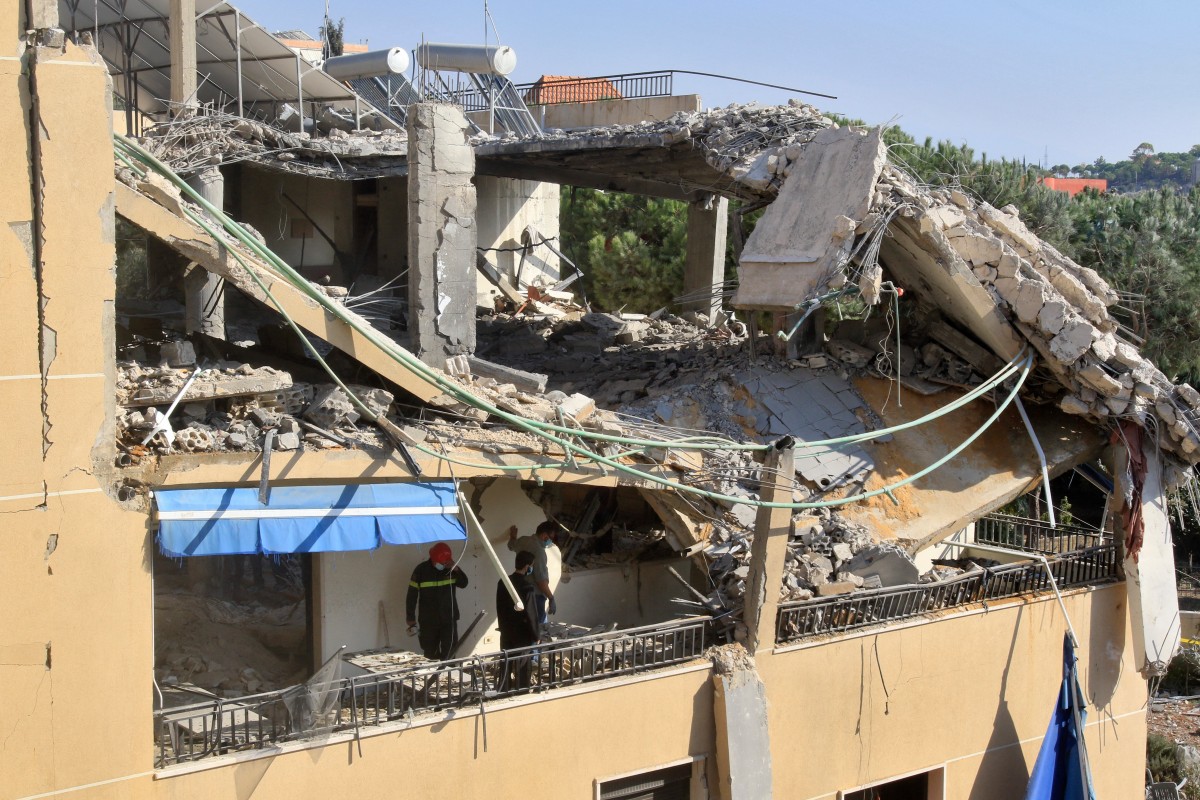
(431, 608)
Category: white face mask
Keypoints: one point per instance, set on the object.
(439, 566)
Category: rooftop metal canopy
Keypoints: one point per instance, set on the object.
(241, 68)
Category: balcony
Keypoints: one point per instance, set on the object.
(328, 704)
(1084, 567)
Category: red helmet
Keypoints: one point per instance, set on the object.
(440, 553)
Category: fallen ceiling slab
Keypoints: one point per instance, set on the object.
(998, 467)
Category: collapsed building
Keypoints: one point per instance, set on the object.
(355, 333)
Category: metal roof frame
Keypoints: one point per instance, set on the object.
(241, 67)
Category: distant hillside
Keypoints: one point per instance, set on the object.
(1144, 169)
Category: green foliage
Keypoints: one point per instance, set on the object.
(333, 35)
(1163, 762)
(1144, 169)
(1148, 244)
(631, 249)
(132, 274)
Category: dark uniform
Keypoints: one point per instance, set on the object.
(517, 628)
(433, 590)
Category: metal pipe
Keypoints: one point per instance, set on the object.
(237, 34)
(1042, 458)
(300, 92)
(469, 517)
(1024, 555)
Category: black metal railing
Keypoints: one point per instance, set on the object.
(861, 609)
(627, 86)
(200, 730)
(1035, 536)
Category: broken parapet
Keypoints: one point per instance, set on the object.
(1059, 307)
(743, 736)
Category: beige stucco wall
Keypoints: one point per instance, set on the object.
(614, 112)
(75, 652)
(972, 693)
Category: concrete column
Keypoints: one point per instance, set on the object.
(183, 52)
(441, 233)
(769, 550)
(704, 265)
(204, 292)
(43, 14)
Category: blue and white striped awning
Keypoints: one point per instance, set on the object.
(305, 519)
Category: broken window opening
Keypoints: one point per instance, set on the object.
(923, 786)
(231, 626)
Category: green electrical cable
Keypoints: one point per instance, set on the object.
(436, 379)
(542, 429)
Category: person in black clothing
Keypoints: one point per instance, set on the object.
(432, 588)
(518, 628)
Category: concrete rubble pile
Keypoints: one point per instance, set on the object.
(230, 406)
(1062, 309)
(189, 143)
(613, 358)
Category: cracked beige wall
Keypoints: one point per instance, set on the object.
(75, 646)
(972, 694)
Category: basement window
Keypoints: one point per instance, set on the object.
(921, 786)
(665, 783)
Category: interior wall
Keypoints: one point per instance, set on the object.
(392, 234)
(330, 203)
(505, 207)
(352, 585)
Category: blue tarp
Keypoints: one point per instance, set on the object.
(305, 519)
(1061, 771)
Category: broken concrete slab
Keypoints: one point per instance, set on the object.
(890, 564)
(525, 381)
(793, 247)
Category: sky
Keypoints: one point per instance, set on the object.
(1053, 81)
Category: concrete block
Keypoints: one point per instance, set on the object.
(893, 565)
(976, 249)
(1073, 405)
(1105, 347)
(849, 353)
(1095, 376)
(287, 441)
(1030, 299)
(263, 418)
(179, 354)
(331, 408)
(1009, 265)
(1052, 317)
(832, 589)
(1073, 340)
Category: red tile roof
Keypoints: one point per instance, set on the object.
(551, 89)
(1074, 186)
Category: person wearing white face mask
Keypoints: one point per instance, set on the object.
(547, 564)
(432, 588)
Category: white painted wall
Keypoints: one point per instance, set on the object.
(350, 586)
(505, 207)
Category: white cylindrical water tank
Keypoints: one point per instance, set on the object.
(476, 58)
(367, 65)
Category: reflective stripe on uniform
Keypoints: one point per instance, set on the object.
(431, 584)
